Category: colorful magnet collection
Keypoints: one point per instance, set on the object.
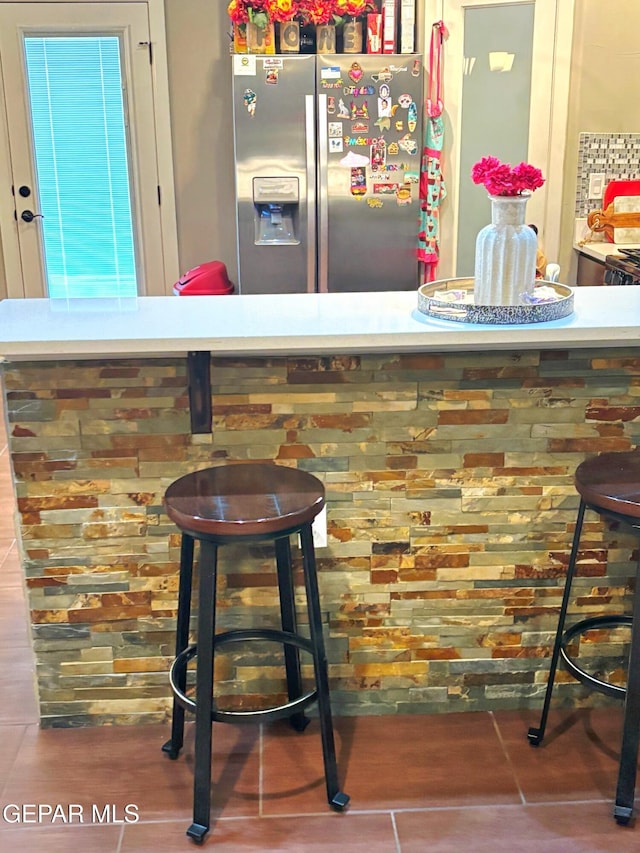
(360, 115)
(368, 110)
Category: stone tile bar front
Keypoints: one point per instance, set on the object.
(451, 506)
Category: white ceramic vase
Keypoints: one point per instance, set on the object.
(505, 265)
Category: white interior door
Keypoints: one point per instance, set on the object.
(84, 215)
(506, 84)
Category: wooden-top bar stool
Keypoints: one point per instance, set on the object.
(245, 502)
(608, 484)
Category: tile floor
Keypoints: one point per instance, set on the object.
(459, 782)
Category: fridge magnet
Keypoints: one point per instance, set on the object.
(405, 101)
(271, 76)
(411, 177)
(359, 140)
(374, 202)
(359, 110)
(407, 144)
(384, 76)
(378, 154)
(250, 98)
(384, 101)
(357, 91)
(358, 181)
(331, 78)
(244, 65)
(386, 188)
(403, 196)
(335, 129)
(392, 150)
(336, 146)
(355, 72)
(359, 127)
(397, 69)
(351, 160)
(415, 71)
(343, 112)
(331, 105)
(384, 123)
(412, 117)
(399, 125)
(384, 107)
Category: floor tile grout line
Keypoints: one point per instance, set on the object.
(394, 826)
(120, 840)
(15, 758)
(506, 754)
(6, 556)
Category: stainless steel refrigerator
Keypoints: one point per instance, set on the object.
(327, 163)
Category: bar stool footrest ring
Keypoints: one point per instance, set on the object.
(277, 712)
(576, 671)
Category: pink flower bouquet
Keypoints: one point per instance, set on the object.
(502, 179)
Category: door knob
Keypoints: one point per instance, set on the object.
(29, 215)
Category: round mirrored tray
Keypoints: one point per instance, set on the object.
(452, 299)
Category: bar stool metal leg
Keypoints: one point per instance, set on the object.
(337, 799)
(204, 690)
(289, 623)
(173, 746)
(534, 734)
(625, 791)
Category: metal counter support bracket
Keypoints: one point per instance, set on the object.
(199, 379)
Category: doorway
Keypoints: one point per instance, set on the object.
(91, 211)
(506, 88)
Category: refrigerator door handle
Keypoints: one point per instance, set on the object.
(323, 196)
(310, 143)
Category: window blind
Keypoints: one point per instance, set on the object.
(80, 141)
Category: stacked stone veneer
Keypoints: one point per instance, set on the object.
(450, 510)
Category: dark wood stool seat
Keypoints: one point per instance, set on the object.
(242, 502)
(244, 499)
(608, 484)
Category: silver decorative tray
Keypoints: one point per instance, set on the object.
(467, 312)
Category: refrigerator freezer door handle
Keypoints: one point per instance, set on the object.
(323, 196)
(310, 137)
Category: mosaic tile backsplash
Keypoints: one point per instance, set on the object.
(617, 155)
(451, 509)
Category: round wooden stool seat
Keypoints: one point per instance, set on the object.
(611, 482)
(244, 499)
(609, 485)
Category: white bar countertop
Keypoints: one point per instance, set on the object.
(276, 325)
